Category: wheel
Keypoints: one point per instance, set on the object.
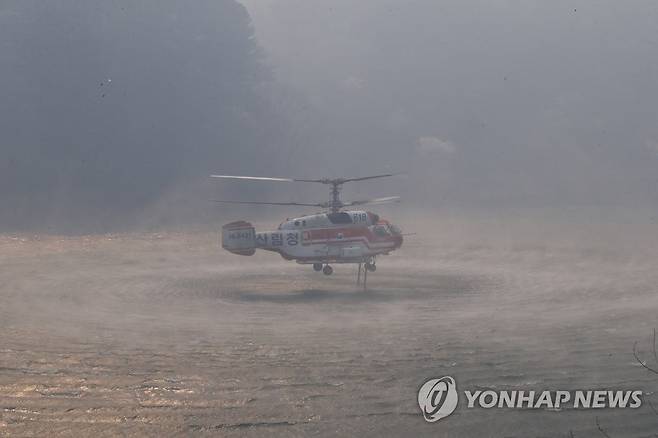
(327, 270)
(371, 267)
(317, 267)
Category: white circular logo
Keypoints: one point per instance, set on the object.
(437, 398)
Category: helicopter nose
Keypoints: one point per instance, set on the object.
(398, 239)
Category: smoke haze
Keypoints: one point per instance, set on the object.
(486, 102)
(528, 135)
(115, 110)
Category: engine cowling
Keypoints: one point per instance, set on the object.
(239, 238)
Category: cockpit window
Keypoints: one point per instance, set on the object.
(339, 218)
(381, 230)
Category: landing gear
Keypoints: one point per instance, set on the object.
(368, 265)
(317, 267)
(327, 270)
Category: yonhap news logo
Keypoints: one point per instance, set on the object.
(438, 398)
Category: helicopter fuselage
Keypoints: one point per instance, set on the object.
(340, 237)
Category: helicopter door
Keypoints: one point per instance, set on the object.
(351, 251)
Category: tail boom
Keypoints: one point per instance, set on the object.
(239, 238)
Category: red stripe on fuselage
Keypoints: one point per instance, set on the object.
(332, 234)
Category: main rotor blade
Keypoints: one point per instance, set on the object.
(257, 178)
(321, 181)
(344, 180)
(374, 201)
(267, 203)
(368, 177)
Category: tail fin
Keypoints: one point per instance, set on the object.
(239, 238)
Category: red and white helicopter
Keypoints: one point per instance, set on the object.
(334, 236)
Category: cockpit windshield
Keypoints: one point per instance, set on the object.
(339, 218)
(384, 230)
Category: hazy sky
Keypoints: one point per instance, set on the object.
(486, 101)
(111, 106)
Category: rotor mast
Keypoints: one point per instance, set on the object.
(336, 203)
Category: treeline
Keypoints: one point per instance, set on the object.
(108, 104)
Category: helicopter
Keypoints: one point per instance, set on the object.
(337, 235)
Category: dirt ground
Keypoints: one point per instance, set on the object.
(165, 334)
